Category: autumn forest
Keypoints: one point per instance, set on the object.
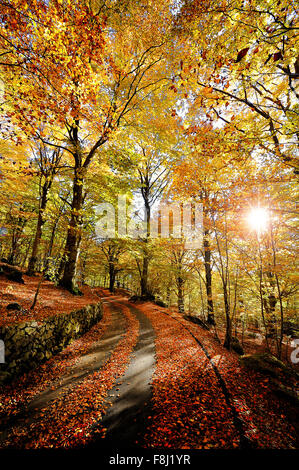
(125, 127)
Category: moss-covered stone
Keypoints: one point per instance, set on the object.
(266, 363)
(292, 396)
(197, 321)
(237, 346)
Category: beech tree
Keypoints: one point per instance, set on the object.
(48, 162)
(243, 56)
(80, 83)
(159, 101)
(112, 250)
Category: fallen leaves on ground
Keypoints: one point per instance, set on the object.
(14, 397)
(68, 420)
(189, 409)
(260, 411)
(52, 300)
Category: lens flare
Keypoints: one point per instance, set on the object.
(258, 219)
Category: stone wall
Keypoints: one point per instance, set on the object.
(30, 343)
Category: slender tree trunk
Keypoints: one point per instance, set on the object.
(261, 292)
(50, 247)
(202, 301)
(168, 296)
(39, 228)
(228, 330)
(17, 232)
(13, 248)
(111, 276)
(72, 246)
(27, 252)
(60, 260)
(180, 284)
(146, 260)
(234, 319)
(83, 270)
(144, 276)
(37, 291)
(224, 274)
(280, 338)
(208, 274)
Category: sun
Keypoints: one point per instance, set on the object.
(258, 219)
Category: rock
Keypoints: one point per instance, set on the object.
(266, 363)
(290, 329)
(12, 365)
(29, 330)
(251, 334)
(287, 394)
(148, 298)
(160, 303)
(4, 376)
(76, 291)
(12, 273)
(197, 320)
(16, 276)
(142, 298)
(13, 306)
(211, 319)
(236, 346)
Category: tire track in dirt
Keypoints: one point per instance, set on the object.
(130, 397)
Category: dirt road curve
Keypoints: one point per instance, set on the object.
(147, 378)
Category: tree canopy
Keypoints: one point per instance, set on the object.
(173, 102)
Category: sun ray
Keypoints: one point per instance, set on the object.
(258, 219)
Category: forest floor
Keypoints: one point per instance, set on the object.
(51, 299)
(143, 376)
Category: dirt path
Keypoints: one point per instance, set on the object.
(88, 363)
(167, 384)
(131, 394)
(128, 398)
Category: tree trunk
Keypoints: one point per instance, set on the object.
(13, 249)
(72, 246)
(146, 261)
(50, 248)
(168, 296)
(26, 253)
(39, 228)
(208, 273)
(144, 276)
(228, 332)
(112, 275)
(202, 300)
(16, 234)
(180, 284)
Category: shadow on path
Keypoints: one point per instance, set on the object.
(127, 417)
